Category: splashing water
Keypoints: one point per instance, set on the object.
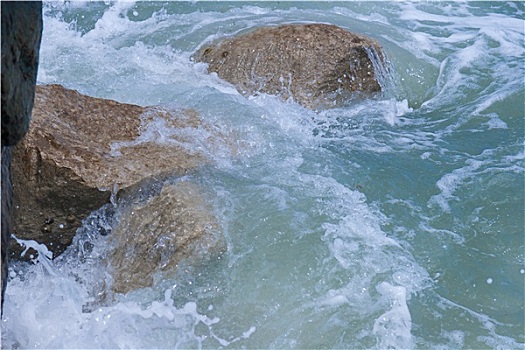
(377, 225)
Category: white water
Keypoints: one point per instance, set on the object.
(372, 226)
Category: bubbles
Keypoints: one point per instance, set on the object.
(59, 321)
(393, 328)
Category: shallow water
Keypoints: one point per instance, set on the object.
(392, 223)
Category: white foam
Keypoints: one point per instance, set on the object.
(364, 268)
(495, 122)
(393, 328)
(398, 109)
(53, 317)
(491, 42)
(484, 163)
(113, 23)
(40, 248)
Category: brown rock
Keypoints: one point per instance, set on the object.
(153, 237)
(78, 150)
(318, 65)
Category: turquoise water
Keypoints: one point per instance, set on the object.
(392, 223)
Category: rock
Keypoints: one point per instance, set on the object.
(317, 65)
(21, 36)
(80, 150)
(151, 238)
(7, 212)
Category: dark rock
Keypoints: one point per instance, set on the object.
(7, 211)
(317, 65)
(21, 34)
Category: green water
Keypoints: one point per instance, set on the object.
(391, 223)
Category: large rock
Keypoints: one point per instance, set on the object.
(21, 35)
(318, 65)
(80, 150)
(152, 237)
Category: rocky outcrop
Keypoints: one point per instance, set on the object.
(21, 35)
(317, 65)
(80, 150)
(152, 237)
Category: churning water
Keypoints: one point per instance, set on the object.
(391, 223)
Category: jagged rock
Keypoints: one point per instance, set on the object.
(21, 35)
(79, 150)
(151, 238)
(318, 65)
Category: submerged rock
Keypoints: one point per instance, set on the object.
(317, 65)
(151, 238)
(80, 150)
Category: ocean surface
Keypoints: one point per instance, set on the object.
(396, 222)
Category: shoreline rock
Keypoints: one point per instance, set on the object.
(21, 36)
(80, 151)
(317, 65)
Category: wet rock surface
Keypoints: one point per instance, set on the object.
(317, 65)
(79, 151)
(21, 35)
(152, 237)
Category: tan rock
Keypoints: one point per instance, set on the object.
(318, 65)
(153, 237)
(78, 150)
